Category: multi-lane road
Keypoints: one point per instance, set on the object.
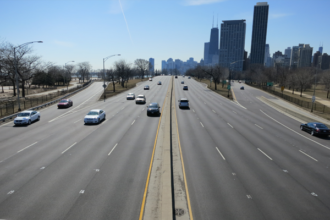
(242, 161)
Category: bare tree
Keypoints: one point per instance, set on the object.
(292, 80)
(325, 79)
(68, 71)
(304, 78)
(123, 71)
(216, 72)
(84, 70)
(111, 76)
(142, 65)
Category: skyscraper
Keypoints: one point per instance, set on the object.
(151, 65)
(294, 56)
(287, 52)
(316, 58)
(305, 55)
(206, 52)
(164, 65)
(259, 33)
(267, 54)
(232, 43)
(214, 43)
(321, 49)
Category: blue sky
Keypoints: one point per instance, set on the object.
(89, 30)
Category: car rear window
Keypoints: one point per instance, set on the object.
(153, 105)
(184, 101)
(321, 126)
(93, 113)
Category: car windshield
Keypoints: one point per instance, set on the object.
(23, 114)
(184, 101)
(92, 113)
(153, 105)
(321, 126)
(130, 94)
(63, 101)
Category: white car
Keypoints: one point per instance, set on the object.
(130, 96)
(150, 79)
(95, 116)
(27, 117)
(141, 99)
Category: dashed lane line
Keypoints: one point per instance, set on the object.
(308, 155)
(68, 148)
(112, 149)
(230, 125)
(27, 147)
(220, 153)
(265, 154)
(258, 126)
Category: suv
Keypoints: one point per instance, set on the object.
(183, 103)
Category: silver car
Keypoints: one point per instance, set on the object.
(95, 116)
(27, 117)
(183, 103)
(140, 99)
(130, 96)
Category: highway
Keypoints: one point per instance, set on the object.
(59, 168)
(249, 161)
(242, 160)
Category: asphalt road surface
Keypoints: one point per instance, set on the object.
(59, 168)
(247, 160)
(242, 161)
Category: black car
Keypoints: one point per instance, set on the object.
(153, 109)
(146, 87)
(315, 128)
(182, 82)
(242, 88)
(176, 76)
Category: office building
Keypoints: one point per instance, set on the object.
(151, 65)
(287, 52)
(267, 54)
(232, 43)
(206, 52)
(325, 62)
(246, 61)
(259, 33)
(214, 44)
(316, 58)
(305, 53)
(164, 65)
(294, 56)
(321, 49)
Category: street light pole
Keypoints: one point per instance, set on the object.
(313, 98)
(65, 74)
(105, 59)
(16, 73)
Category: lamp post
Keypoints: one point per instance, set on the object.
(230, 75)
(105, 59)
(16, 74)
(64, 73)
(313, 98)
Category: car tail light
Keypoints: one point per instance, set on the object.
(317, 129)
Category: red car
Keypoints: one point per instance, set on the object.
(65, 103)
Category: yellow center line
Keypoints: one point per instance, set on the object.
(150, 166)
(183, 169)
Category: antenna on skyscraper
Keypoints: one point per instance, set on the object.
(213, 21)
(217, 20)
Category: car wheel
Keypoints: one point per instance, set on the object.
(312, 133)
(301, 128)
(104, 117)
(98, 121)
(38, 118)
(29, 122)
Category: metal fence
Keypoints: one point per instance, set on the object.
(316, 107)
(11, 107)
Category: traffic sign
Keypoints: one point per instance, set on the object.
(228, 87)
(282, 88)
(104, 85)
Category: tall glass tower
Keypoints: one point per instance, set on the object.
(259, 33)
(214, 44)
(232, 43)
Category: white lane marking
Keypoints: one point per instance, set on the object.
(314, 194)
(7, 123)
(308, 155)
(234, 174)
(230, 125)
(133, 122)
(249, 196)
(69, 148)
(202, 124)
(285, 171)
(97, 170)
(238, 104)
(27, 147)
(70, 111)
(220, 154)
(193, 110)
(82, 191)
(234, 112)
(42, 168)
(258, 126)
(77, 121)
(213, 111)
(295, 131)
(11, 192)
(265, 154)
(112, 149)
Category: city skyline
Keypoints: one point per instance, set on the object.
(71, 35)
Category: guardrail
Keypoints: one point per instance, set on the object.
(48, 103)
